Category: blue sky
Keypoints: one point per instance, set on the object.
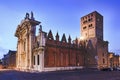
(62, 16)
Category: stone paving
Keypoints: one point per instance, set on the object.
(60, 75)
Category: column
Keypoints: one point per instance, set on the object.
(27, 48)
(42, 61)
(20, 55)
(36, 61)
(17, 56)
(30, 52)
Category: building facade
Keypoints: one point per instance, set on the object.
(1, 64)
(113, 59)
(92, 34)
(45, 52)
(9, 60)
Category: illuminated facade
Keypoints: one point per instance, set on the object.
(113, 60)
(46, 53)
(43, 52)
(92, 34)
(9, 60)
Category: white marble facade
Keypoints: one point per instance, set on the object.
(30, 48)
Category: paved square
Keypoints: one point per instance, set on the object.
(60, 75)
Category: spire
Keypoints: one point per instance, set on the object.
(57, 37)
(69, 39)
(32, 16)
(27, 16)
(40, 29)
(76, 40)
(63, 38)
(50, 35)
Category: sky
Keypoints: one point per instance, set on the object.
(62, 16)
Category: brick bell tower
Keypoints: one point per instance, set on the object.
(92, 26)
(92, 35)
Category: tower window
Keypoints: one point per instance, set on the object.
(90, 19)
(84, 21)
(90, 25)
(84, 27)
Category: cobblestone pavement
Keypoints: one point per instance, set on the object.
(60, 75)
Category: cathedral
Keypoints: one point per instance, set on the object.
(45, 52)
